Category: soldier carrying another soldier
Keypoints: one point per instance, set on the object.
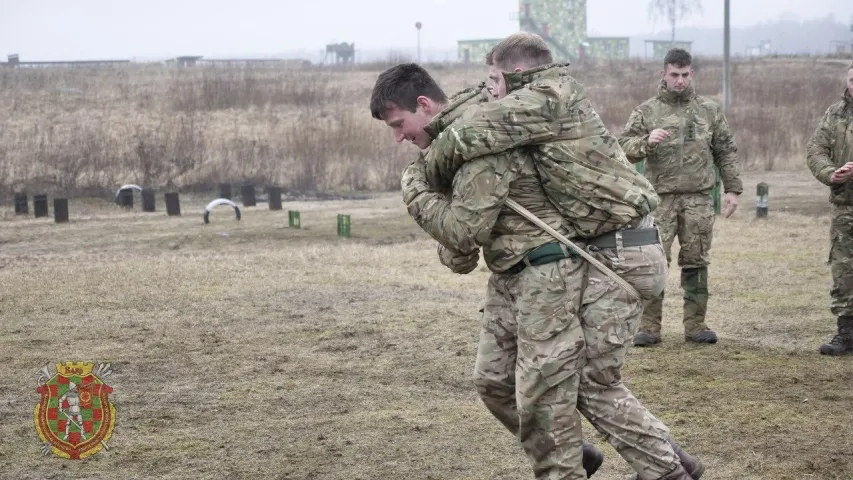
(555, 330)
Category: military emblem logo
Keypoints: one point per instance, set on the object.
(74, 417)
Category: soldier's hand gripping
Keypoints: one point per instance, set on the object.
(729, 204)
(842, 174)
(457, 261)
(658, 135)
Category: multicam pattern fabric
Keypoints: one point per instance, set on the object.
(555, 335)
(475, 215)
(699, 139)
(841, 260)
(831, 146)
(690, 217)
(538, 365)
(584, 172)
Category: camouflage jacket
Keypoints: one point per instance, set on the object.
(583, 170)
(473, 215)
(831, 146)
(699, 139)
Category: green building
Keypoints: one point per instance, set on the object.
(659, 48)
(474, 51)
(562, 24)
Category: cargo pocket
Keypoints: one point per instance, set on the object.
(695, 238)
(610, 316)
(644, 267)
(550, 340)
(833, 241)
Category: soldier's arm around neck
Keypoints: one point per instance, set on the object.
(464, 222)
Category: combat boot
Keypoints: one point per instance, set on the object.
(646, 339)
(592, 459)
(842, 343)
(692, 465)
(677, 474)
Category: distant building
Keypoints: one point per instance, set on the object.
(562, 24)
(184, 60)
(659, 48)
(475, 51)
(14, 60)
(340, 52)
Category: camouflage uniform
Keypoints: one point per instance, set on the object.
(830, 147)
(681, 168)
(554, 335)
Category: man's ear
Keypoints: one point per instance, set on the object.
(518, 69)
(427, 105)
(424, 102)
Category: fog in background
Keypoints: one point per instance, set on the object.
(157, 29)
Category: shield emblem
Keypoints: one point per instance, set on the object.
(74, 416)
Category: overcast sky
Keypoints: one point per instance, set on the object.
(89, 29)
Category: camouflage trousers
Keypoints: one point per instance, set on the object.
(690, 217)
(841, 260)
(553, 342)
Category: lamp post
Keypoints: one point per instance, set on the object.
(727, 69)
(418, 25)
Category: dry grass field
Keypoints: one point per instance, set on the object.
(85, 131)
(251, 350)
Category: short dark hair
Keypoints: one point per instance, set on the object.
(520, 48)
(400, 86)
(678, 57)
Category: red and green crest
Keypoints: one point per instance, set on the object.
(74, 417)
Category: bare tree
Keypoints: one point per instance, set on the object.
(673, 10)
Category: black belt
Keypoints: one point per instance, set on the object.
(554, 251)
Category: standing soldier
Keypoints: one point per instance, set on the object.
(830, 158)
(682, 136)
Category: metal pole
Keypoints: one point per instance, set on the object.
(418, 25)
(727, 73)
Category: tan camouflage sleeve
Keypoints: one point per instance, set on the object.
(818, 152)
(634, 138)
(724, 150)
(522, 118)
(465, 222)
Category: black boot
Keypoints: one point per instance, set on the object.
(592, 458)
(842, 343)
(692, 465)
(678, 474)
